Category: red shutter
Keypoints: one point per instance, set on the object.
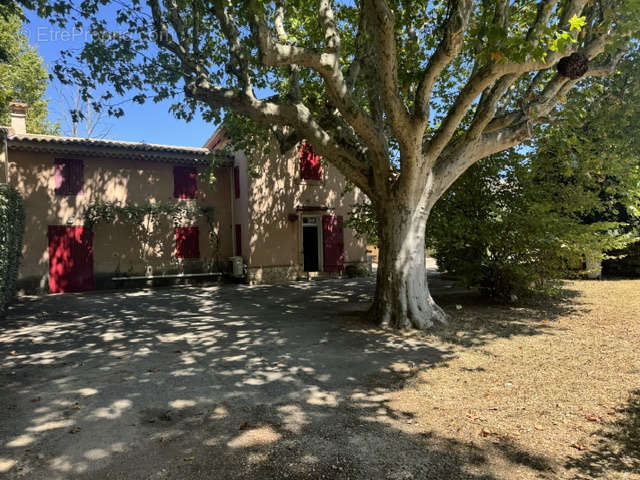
(187, 242)
(238, 238)
(236, 181)
(310, 167)
(332, 243)
(70, 259)
(61, 168)
(76, 176)
(185, 181)
(69, 176)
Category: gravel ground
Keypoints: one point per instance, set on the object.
(287, 382)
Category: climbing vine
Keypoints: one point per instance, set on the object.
(151, 213)
(147, 215)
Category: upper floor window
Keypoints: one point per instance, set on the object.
(69, 176)
(310, 168)
(185, 181)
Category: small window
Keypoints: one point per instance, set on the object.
(69, 176)
(310, 168)
(187, 242)
(185, 182)
(236, 181)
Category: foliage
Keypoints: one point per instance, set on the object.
(362, 220)
(518, 221)
(11, 232)
(23, 77)
(400, 96)
(512, 227)
(150, 213)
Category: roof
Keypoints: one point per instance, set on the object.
(104, 148)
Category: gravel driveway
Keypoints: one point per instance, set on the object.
(210, 382)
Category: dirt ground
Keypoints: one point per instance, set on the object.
(288, 382)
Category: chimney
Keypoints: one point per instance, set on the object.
(18, 117)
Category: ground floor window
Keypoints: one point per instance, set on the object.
(187, 242)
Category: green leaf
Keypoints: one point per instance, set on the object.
(576, 23)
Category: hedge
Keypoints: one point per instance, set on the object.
(11, 232)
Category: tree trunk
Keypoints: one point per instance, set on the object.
(402, 299)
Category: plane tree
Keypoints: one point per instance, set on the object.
(401, 96)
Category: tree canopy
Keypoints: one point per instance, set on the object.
(401, 96)
(23, 76)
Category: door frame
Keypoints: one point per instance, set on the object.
(318, 226)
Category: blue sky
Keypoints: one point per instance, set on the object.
(151, 123)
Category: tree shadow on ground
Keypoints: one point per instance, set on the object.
(476, 320)
(617, 448)
(218, 382)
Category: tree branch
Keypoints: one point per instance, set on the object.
(445, 52)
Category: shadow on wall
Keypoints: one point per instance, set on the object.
(118, 249)
(231, 382)
(277, 192)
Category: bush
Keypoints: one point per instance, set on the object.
(11, 232)
(514, 226)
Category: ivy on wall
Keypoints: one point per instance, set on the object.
(148, 215)
(11, 233)
(151, 213)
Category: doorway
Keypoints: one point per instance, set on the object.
(311, 243)
(70, 259)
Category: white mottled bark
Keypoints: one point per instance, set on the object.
(402, 299)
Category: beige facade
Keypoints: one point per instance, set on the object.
(273, 202)
(119, 249)
(259, 204)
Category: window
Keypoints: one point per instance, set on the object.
(236, 181)
(185, 181)
(69, 176)
(310, 168)
(187, 242)
(238, 235)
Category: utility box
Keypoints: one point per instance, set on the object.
(237, 266)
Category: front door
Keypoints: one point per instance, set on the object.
(70, 259)
(310, 244)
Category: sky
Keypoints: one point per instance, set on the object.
(151, 122)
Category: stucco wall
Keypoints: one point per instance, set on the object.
(275, 241)
(116, 248)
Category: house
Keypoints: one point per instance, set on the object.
(102, 212)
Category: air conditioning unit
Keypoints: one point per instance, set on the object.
(237, 266)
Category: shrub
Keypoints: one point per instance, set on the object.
(11, 232)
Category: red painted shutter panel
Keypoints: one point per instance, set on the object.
(310, 167)
(187, 242)
(61, 168)
(70, 259)
(69, 176)
(333, 243)
(236, 181)
(76, 176)
(185, 181)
